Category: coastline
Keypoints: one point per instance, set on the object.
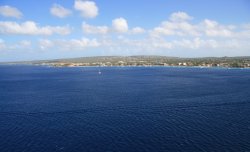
(139, 66)
(141, 61)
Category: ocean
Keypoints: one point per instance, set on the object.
(124, 109)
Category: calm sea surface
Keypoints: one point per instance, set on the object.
(124, 109)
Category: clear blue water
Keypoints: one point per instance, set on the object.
(125, 109)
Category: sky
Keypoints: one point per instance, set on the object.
(51, 29)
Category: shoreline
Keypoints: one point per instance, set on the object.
(139, 66)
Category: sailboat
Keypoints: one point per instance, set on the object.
(99, 72)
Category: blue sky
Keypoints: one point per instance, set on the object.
(31, 30)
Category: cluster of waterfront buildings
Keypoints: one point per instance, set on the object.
(145, 63)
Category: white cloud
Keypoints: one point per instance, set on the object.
(45, 44)
(180, 16)
(245, 34)
(176, 28)
(137, 30)
(69, 45)
(19, 45)
(88, 9)
(177, 47)
(83, 43)
(246, 26)
(196, 43)
(120, 25)
(59, 11)
(89, 29)
(214, 29)
(178, 35)
(179, 25)
(9, 11)
(31, 28)
(2, 44)
(25, 43)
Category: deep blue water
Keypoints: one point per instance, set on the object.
(124, 109)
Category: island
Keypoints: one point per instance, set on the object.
(143, 60)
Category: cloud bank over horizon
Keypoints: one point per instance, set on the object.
(179, 34)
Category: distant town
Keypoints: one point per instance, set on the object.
(235, 62)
